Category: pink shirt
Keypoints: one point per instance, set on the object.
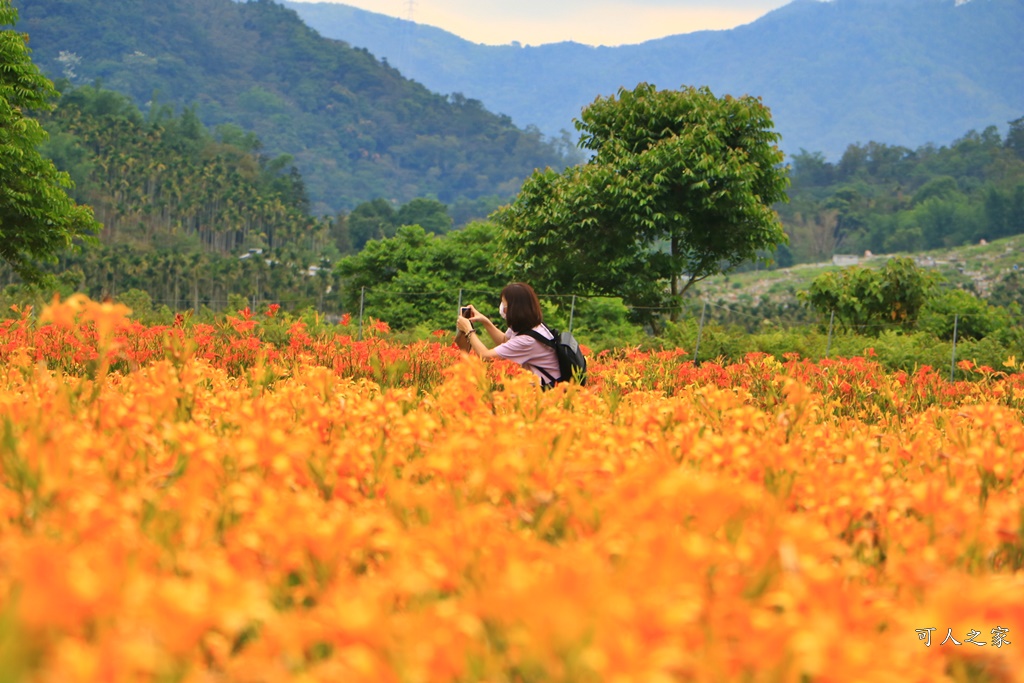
(530, 353)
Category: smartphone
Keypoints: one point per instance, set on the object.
(467, 312)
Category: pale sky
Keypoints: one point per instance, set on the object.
(592, 22)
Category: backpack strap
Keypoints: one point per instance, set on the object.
(552, 343)
(540, 337)
(551, 380)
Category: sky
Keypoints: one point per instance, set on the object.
(591, 22)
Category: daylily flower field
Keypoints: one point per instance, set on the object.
(252, 501)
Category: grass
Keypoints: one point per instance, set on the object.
(975, 266)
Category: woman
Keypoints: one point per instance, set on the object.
(521, 310)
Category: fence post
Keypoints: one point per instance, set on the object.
(458, 311)
(572, 311)
(362, 295)
(700, 331)
(828, 346)
(952, 364)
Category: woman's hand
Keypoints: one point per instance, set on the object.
(477, 315)
(465, 326)
(496, 335)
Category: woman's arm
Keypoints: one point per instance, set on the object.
(465, 326)
(497, 336)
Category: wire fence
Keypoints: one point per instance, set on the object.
(703, 311)
(832, 325)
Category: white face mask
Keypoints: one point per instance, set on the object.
(502, 309)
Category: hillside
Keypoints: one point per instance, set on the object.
(978, 268)
(357, 129)
(901, 72)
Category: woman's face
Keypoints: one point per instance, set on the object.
(503, 308)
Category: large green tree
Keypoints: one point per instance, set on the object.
(680, 186)
(413, 279)
(429, 214)
(37, 218)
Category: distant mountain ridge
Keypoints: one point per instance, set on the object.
(899, 72)
(357, 128)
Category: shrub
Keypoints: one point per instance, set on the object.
(973, 318)
(868, 300)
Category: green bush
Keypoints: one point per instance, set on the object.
(807, 342)
(716, 341)
(869, 300)
(599, 323)
(972, 317)
(893, 349)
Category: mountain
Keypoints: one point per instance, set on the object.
(356, 128)
(900, 72)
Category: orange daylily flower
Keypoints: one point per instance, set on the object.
(217, 506)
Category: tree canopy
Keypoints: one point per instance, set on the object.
(378, 219)
(868, 300)
(37, 218)
(680, 187)
(414, 277)
(887, 199)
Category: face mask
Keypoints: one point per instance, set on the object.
(502, 309)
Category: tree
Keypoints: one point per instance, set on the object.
(811, 169)
(817, 229)
(37, 218)
(414, 278)
(680, 187)
(867, 300)
(429, 214)
(373, 220)
(1015, 137)
(960, 312)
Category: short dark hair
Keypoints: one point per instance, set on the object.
(522, 308)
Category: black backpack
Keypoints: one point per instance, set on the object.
(571, 361)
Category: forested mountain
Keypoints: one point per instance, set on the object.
(190, 217)
(887, 198)
(897, 72)
(356, 128)
(195, 218)
(165, 181)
